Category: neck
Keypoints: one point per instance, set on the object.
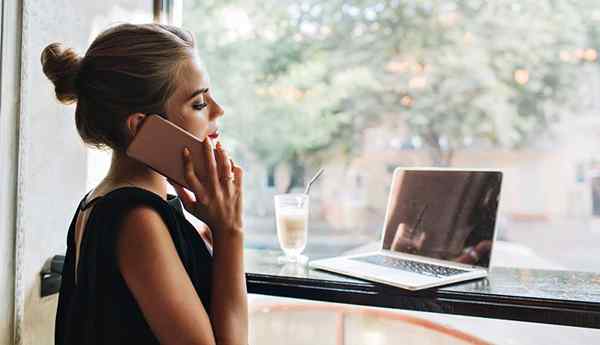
(126, 171)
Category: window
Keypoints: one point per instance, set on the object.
(359, 87)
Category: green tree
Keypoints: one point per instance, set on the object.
(302, 78)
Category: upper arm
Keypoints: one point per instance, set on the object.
(154, 273)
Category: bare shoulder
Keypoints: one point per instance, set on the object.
(149, 263)
(143, 234)
(142, 221)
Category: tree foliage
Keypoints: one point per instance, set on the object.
(302, 78)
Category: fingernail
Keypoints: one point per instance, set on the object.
(186, 152)
(219, 146)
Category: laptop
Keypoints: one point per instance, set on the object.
(439, 229)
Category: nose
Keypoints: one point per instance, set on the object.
(216, 110)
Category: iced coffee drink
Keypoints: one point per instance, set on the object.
(291, 213)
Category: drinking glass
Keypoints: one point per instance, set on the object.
(291, 214)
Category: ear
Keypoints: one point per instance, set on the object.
(134, 122)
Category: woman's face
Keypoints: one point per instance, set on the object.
(192, 106)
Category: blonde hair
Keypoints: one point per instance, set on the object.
(128, 68)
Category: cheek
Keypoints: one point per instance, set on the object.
(196, 123)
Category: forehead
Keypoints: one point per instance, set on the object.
(190, 78)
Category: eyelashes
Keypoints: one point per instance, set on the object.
(199, 106)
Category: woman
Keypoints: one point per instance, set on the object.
(136, 271)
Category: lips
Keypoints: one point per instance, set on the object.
(214, 135)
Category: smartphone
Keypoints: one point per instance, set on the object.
(159, 145)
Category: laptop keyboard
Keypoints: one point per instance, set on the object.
(410, 266)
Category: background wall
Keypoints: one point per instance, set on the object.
(51, 157)
(9, 104)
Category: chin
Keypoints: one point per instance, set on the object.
(198, 134)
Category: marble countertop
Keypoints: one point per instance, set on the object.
(547, 296)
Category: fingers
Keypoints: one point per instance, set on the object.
(190, 175)
(227, 165)
(211, 164)
(224, 165)
(226, 175)
(238, 175)
(221, 157)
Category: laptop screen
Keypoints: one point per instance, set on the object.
(443, 214)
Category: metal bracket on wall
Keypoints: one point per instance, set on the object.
(51, 275)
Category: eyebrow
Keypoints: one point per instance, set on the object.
(197, 92)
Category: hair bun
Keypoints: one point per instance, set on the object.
(61, 65)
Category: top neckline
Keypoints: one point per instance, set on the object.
(84, 205)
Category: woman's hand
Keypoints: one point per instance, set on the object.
(217, 201)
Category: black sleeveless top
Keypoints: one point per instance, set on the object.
(100, 309)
